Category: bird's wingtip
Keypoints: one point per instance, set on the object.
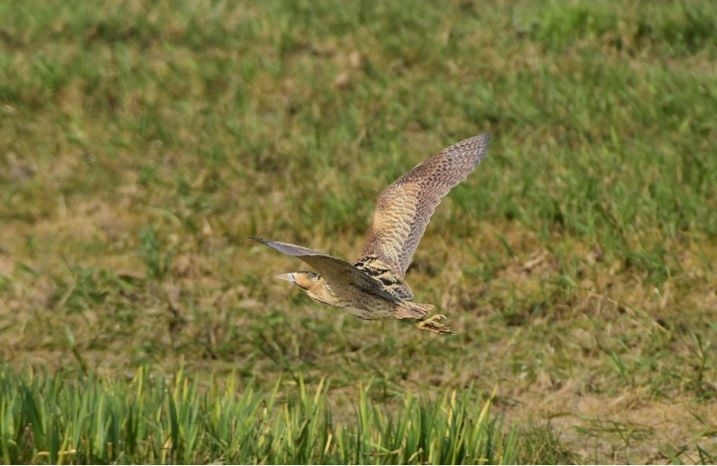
(485, 137)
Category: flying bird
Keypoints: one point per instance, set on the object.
(374, 287)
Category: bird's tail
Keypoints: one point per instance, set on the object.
(411, 310)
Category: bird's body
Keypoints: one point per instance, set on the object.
(374, 286)
(357, 301)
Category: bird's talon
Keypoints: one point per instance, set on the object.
(432, 325)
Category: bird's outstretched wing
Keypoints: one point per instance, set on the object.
(405, 207)
(335, 271)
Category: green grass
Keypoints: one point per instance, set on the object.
(141, 145)
(141, 418)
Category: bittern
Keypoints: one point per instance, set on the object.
(374, 287)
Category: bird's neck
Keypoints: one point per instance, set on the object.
(322, 293)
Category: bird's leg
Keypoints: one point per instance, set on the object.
(432, 324)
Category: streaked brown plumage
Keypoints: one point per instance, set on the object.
(374, 287)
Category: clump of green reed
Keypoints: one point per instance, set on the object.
(46, 419)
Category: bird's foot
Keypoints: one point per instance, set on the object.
(432, 324)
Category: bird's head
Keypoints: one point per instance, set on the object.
(304, 280)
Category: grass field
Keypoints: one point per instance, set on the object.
(140, 146)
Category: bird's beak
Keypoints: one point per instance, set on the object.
(289, 277)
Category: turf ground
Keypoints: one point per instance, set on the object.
(142, 143)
